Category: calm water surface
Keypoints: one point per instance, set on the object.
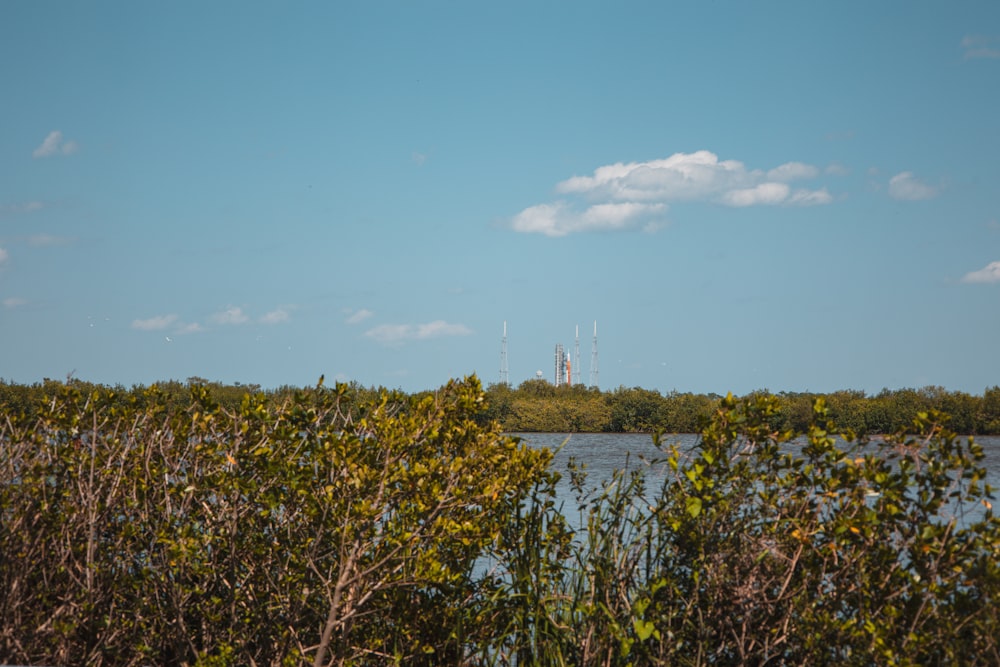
(603, 453)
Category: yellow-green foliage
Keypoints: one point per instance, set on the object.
(334, 526)
(764, 547)
(133, 533)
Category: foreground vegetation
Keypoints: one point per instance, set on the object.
(323, 526)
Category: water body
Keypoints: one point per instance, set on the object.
(603, 453)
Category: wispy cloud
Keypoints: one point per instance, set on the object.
(359, 316)
(981, 46)
(164, 322)
(190, 328)
(792, 171)
(20, 208)
(397, 333)
(988, 274)
(905, 186)
(276, 316)
(54, 145)
(809, 197)
(156, 323)
(3, 255)
(231, 315)
(14, 302)
(631, 195)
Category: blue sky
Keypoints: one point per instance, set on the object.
(743, 195)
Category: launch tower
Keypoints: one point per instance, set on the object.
(504, 371)
(560, 378)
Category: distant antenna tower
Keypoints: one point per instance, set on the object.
(576, 355)
(593, 360)
(504, 371)
(560, 365)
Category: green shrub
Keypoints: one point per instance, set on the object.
(136, 534)
(760, 548)
(316, 527)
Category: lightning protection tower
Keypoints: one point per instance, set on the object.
(504, 371)
(576, 355)
(560, 365)
(593, 360)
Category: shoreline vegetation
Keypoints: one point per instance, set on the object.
(202, 524)
(537, 406)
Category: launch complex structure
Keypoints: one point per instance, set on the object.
(564, 370)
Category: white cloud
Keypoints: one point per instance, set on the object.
(765, 193)
(617, 215)
(157, 323)
(54, 145)
(359, 316)
(560, 219)
(682, 176)
(13, 302)
(439, 328)
(810, 197)
(905, 186)
(50, 146)
(981, 46)
(792, 171)
(3, 255)
(989, 274)
(391, 333)
(543, 218)
(276, 316)
(231, 315)
(627, 195)
(397, 333)
(773, 194)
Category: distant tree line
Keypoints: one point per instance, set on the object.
(538, 406)
(30, 399)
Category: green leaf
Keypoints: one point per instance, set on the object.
(693, 506)
(643, 629)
